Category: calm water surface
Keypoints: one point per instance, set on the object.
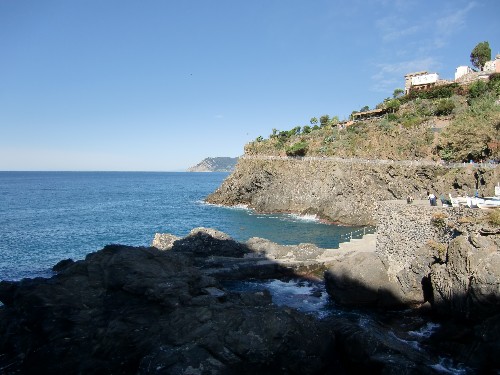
(49, 216)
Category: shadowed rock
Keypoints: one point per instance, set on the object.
(144, 310)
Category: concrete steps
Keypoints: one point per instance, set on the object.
(366, 244)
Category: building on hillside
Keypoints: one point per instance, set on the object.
(463, 75)
(357, 116)
(462, 71)
(422, 81)
(492, 66)
(408, 80)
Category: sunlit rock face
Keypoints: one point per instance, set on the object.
(341, 191)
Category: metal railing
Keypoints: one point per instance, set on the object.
(357, 233)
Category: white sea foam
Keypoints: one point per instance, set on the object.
(446, 367)
(301, 295)
(235, 207)
(426, 331)
(413, 344)
(297, 217)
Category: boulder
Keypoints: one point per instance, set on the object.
(164, 241)
(361, 279)
(204, 242)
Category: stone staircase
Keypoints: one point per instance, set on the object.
(365, 244)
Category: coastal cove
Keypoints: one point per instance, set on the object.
(49, 216)
(200, 300)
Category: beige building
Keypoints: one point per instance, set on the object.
(492, 66)
(420, 81)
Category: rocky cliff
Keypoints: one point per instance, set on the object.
(219, 164)
(342, 190)
(444, 258)
(448, 257)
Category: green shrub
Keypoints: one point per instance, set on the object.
(445, 107)
(392, 117)
(437, 92)
(357, 128)
(297, 149)
(410, 120)
(329, 139)
(393, 105)
(494, 83)
(477, 89)
(386, 126)
(446, 153)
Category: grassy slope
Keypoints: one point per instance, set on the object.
(419, 129)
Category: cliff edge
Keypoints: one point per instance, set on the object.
(343, 190)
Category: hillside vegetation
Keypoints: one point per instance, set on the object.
(451, 123)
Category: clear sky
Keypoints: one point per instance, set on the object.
(158, 85)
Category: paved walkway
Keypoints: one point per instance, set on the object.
(374, 161)
(416, 202)
(365, 244)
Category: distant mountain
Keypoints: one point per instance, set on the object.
(220, 164)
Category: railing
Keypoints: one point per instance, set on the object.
(358, 233)
(374, 161)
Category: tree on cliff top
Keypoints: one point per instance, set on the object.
(480, 55)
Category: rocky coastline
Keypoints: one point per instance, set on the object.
(165, 310)
(343, 190)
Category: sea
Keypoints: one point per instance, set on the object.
(46, 217)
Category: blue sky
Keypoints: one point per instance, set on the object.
(160, 85)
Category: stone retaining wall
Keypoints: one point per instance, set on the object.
(411, 238)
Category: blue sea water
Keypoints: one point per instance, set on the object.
(49, 216)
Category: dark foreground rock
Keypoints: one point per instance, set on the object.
(127, 310)
(130, 310)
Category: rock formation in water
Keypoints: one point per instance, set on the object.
(342, 190)
(218, 164)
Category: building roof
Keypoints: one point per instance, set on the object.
(416, 73)
(378, 111)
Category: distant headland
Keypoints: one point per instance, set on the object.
(217, 164)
